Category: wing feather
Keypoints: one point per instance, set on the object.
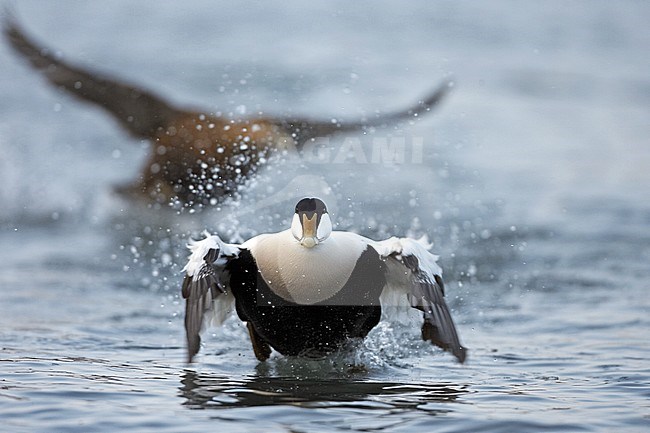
(202, 285)
(304, 129)
(418, 274)
(139, 111)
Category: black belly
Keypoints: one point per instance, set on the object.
(294, 329)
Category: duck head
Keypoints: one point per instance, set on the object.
(311, 223)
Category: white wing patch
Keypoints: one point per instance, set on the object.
(201, 248)
(410, 247)
(398, 277)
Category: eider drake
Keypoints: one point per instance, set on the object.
(195, 157)
(307, 290)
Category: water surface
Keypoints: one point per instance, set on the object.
(533, 186)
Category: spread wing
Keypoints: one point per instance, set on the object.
(137, 110)
(304, 129)
(413, 270)
(202, 285)
(142, 113)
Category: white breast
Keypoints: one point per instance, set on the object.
(306, 275)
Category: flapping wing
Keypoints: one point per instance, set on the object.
(304, 129)
(416, 272)
(202, 285)
(139, 111)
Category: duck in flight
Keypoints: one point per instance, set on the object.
(307, 290)
(195, 157)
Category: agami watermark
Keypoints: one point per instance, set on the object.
(375, 150)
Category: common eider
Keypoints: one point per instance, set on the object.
(307, 290)
(195, 157)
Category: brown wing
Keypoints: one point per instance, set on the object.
(140, 112)
(305, 129)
